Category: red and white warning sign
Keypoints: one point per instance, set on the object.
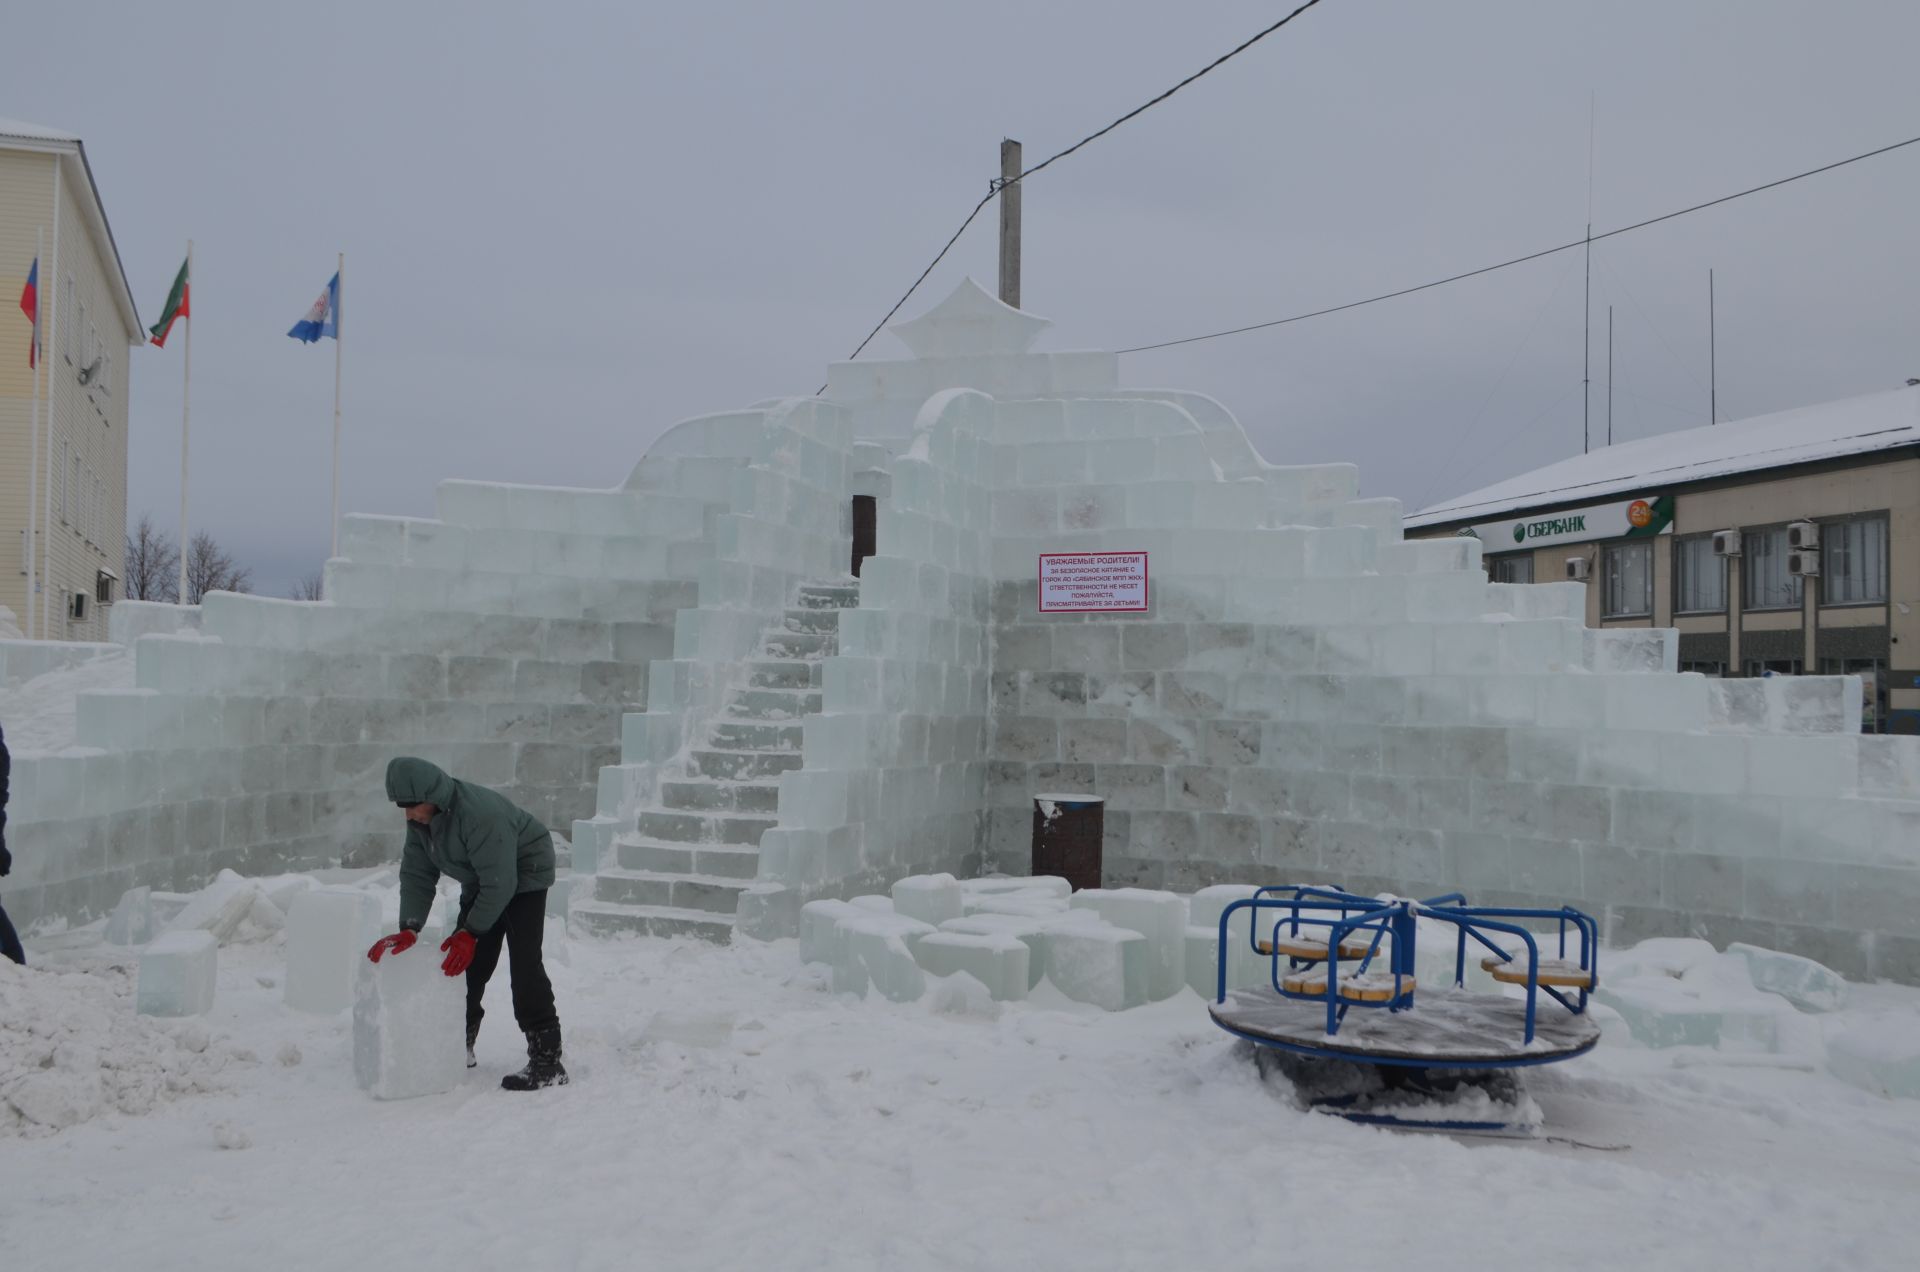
(1087, 582)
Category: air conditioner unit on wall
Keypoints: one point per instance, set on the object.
(1803, 534)
(1726, 543)
(1804, 564)
(1579, 569)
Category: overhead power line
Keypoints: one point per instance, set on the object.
(1531, 256)
(998, 185)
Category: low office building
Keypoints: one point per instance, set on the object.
(68, 509)
(1780, 544)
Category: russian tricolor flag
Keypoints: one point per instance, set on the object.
(30, 305)
(324, 318)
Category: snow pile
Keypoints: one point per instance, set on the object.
(71, 1050)
(10, 625)
(39, 714)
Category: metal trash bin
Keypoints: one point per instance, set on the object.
(1067, 835)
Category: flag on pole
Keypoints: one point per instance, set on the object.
(30, 305)
(323, 319)
(176, 307)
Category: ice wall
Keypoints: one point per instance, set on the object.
(503, 639)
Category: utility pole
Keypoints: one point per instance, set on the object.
(1713, 360)
(1010, 223)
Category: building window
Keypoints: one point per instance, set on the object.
(1699, 577)
(1513, 568)
(1629, 580)
(1853, 561)
(1705, 667)
(1764, 579)
(1773, 666)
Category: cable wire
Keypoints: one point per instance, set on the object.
(998, 185)
(1531, 256)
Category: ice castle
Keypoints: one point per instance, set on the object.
(683, 676)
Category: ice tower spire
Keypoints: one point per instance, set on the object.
(970, 321)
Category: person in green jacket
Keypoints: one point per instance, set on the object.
(503, 858)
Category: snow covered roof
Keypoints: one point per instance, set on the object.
(34, 132)
(1830, 430)
(17, 134)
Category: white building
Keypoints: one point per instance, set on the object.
(77, 509)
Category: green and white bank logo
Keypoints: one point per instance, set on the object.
(1630, 519)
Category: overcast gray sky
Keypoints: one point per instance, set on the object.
(569, 225)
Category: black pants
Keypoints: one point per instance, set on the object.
(10, 941)
(520, 927)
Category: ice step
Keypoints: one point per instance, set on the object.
(812, 620)
(711, 893)
(607, 918)
(706, 794)
(829, 595)
(755, 735)
(775, 704)
(739, 765)
(702, 828)
(775, 673)
(781, 644)
(731, 861)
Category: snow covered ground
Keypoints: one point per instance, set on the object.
(726, 1112)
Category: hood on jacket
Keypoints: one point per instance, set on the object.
(411, 780)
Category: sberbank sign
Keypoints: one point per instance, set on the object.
(1551, 528)
(1628, 519)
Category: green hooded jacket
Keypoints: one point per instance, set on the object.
(495, 848)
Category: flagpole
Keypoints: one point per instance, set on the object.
(186, 394)
(60, 317)
(340, 288)
(33, 472)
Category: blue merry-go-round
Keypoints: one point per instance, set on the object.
(1345, 1020)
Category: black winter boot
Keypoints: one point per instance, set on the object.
(473, 1034)
(543, 1063)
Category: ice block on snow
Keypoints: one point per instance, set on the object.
(930, 898)
(1808, 985)
(132, 922)
(1879, 1053)
(409, 1025)
(328, 932)
(998, 961)
(1159, 917)
(877, 952)
(1099, 964)
(177, 974)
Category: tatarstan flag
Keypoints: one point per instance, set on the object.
(176, 307)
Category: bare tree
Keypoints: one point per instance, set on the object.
(309, 587)
(210, 569)
(153, 564)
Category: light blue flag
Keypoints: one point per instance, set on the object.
(324, 318)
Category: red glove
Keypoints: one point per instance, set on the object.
(391, 945)
(459, 948)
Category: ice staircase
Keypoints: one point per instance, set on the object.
(681, 869)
